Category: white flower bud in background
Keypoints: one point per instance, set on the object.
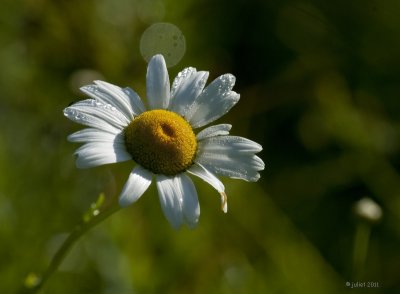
(367, 209)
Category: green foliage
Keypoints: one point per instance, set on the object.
(319, 90)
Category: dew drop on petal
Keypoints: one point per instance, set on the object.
(201, 83)
(183, 75)
(74, 115)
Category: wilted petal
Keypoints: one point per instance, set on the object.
(200, 171)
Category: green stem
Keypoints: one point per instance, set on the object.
(59, 256)
(361, 242)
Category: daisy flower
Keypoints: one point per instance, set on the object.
(160, 138)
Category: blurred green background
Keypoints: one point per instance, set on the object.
(319, 84)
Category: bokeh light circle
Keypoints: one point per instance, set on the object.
(163, 38)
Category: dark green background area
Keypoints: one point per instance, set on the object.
(319, 84)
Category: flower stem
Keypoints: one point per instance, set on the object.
(79, 231)
(360, 250)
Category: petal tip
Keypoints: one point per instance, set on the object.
(157, 57)
(84, 88)
(255, 178)
(224, 202)
(124, 201)
(65, 111)
(235, 96)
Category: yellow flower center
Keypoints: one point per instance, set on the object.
(161, 141)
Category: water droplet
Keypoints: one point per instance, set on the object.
(183, 75)
(201, 83)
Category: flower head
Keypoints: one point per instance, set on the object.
(161, 140)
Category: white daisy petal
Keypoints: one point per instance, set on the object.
(231, 156)
(237, 168)
(216, 130)
(182, 76)
(210, 112)
(128, 101)
(170, 196)
(95, 135)
(110, 94)
(96, 114)
(157, 84)
(90, 121)
(95, 154)
(216, 100)
(135, 101)
(190, 205)
(117, 120)
(187, 90)
(200, 171)
(229, 143)
(138, 182)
